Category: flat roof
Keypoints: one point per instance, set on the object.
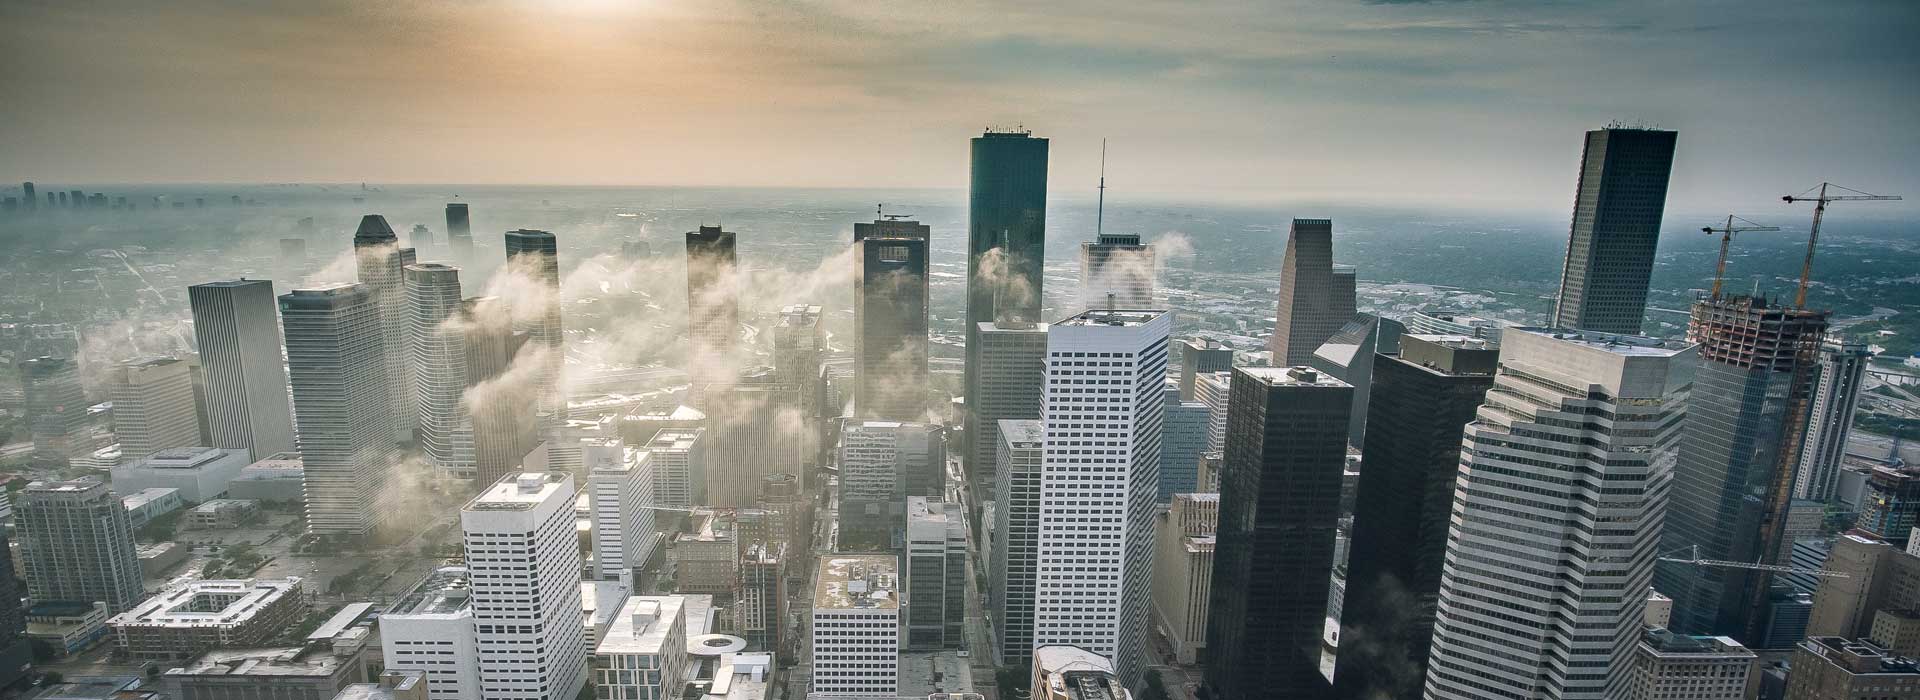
(185, 457)
(1616, 343)
(857, 582)
(677, 439)
(1022, 431)
(243, 598)
(520, 491)
(444, 591)
(1292, 376)
(642, 625)
(1112, 317)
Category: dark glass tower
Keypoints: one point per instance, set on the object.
(1273, 553)
(536, 254)
(1006, 210)
(713, 312)
(1422, 400)
(459, 233)
(890, 319)
(26, 191)
(1616, 225)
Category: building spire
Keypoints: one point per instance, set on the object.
(1100, 209)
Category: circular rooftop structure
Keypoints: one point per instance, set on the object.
(715, 645)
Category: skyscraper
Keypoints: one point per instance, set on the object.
(153, 406)
(238, 332)
(1617, 205)
(620, 486)
(501, 429)
(1198, 356)
(1116, 271)
(1316, 299)
(16, 654)
(76, 544)
(882, 463)
(342, 397)
(1006, 234)
(713, 312)
(531, 640)
(1215, 389)
(1734, 481)
(1843, 368)
(1016, 538)
(26, 191)
(936, 576)
(535, 255)
(1348, 356)
(421, 239)
(1423, 399)
(459, 233)
(798, 346)
(856, 627)
(890, 315)
(438, 348)
(1009, 369)
(1183, 540)
(679, 467)
(1183, 438)
(1273, 551)
(1098, 482)
(56, 409)
(380, 261)
(1550, 550)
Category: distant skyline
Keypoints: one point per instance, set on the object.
(1473, 104)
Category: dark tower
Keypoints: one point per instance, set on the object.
(536, 254)
(1006, 234)
(459, 233)
(1616, 226)
(890, 320)
(713, 312)
(1316, 298)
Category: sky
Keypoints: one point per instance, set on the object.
(1468, 103)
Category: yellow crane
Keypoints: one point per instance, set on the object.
(1726, 240)
(1820, 208)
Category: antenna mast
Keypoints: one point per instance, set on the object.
(1100, 210)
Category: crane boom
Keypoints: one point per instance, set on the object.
(1726, 240)
(1813, 235)
(1755, 566)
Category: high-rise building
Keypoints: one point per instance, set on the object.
(1423, 399)
(1009, 370)
(1843, 368)
(16, 654)
(430, 629)
(56, 409)
(1016, 534)
(713, 304)
(1006, 235)
(756, 431)
(1348, 356)
(1617, 206)
(381, 263)
(459, 234)
(420, 239)
(644, 654)
(1273, 552)
(1836, 667)
(1878, 576)
(1116, 272)
(679, 467)
(1445, 322)
(1074, 673)
(1733, 485)
(26, 192)
(1316, 298)
(890, 319)
(535, 255)
(1215, 389)
(1199, 356)
(760, 599)
(497, 423)
(1542, 587)
(798, 346)
(1891, 506)
(881, 464)
(1183, 537)
(620, 493)
(76, 544)
(531, 640)
(437, 343)
(936, 578)
(337, 365)
(1183, 438)
(1098, 482)
(1668, 666)
(237, 330)
(857, 626)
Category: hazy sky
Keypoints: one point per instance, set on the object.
(1479, 103)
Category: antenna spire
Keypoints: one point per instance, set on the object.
(1100, 209)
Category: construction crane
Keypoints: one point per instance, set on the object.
(1695, 560)
(1726, 240)
(1819, 209)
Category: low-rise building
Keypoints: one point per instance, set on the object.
(315, 670)
(200, 473)
(1074, 673)
(68, 627)
(706, 558)
(146, 504)
(156, 558)
(208, 614)
(1183, 571)
(1668, 666)
(393, 685)
(222, 514)
(1836, 667)
(643, 654)
(430, 629)
(277, 478)
(599, 602)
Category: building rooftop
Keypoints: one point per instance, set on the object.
(80, 485)
(1022, 433)
(142, 497)
(279, 461)
(185, 457)
(521, 491)
(444, 592)
(919, 508)
(676, 413)
(1292, 376)
(219, 504)
(208, 603)
(643, 624)
(1619, 344)
(674, 439)
(1112, 317)
(1862, 657)
(391, 685)
(601, 599)
(1666, 643)
(857, 582)
(310, 660)
(1075, 673)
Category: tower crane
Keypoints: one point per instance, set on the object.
(1694, 559)
(1726, 239)
(1820, 208)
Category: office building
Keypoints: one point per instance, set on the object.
(1447, 322)
(1562, 608)
(706, 557)
(1183, 540)
(1891, 504)
(198, 616)
(1843, 369)
(1199, 356)
(27, 196)
(1183, 438)
(459, 234)
(1668, 666)
(1878, 576)
(713, 305)
(1214, 389)
(1837, 667)
(56, 410)
(1423, 399)
(799, 344)
(760, 601)
(936, 579)
(153, 406)
(530, 637)
(1102, 415)
(16, 652)
(392, 685)
(1348, 356)
(498, 424)
(890, 320)
(1898, 630)
(1016, 535)
(320, 666)
(1316, 298)
(1008, 370)
(600, 601)
(535, 255)
(1117, 272)
(754, 433)
(1074, 673)
(1273, 552)
(1006, 236)
(437, 343)
(381, 262)
(430, 629)
(620, 489)
(644, 653)
(1734, 482)
(76, 544)
(857, 627)
(237, 330)
(881, 464)
(196, 473)
(337, 365)
(1617, 205)
(421, 240)
(679, 458)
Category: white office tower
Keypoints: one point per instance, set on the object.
(856, 627)
(679, 459)
(1116, 272)
(1212, 389)
(1016, 536)
(620, 484)
(936, 591)
(152, 406)
(644, 653)
(238, 332)
(430, 629)
(380, 261)
(1098, 482)
(1563, 484)
(1843, 368)
(439, 356)
(521, 542)
(336, 362)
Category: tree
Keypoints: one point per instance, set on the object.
(1156, 689)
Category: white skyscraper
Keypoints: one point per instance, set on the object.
(679, 459)
(1212, 389)
(856, 626)
(380, 261)
(1016, 532)
(620, 483)
(238, 333)
(1563, 484)
(1843, 368)
(1116, 272)
(152, 406)
(336, 361)
(521, 544)
(1099, 481)
(439, 359)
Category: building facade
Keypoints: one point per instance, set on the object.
(1183, 537)
(381, 263)
(236, 327)
(56, 410)
(1668, 666)
(437, 346)
(620, 490)
(857, 630)
(1008, 369)
(531, 639)
(342, 390)
(535, 256)
(890, 320)
(1117, 271)
(936, 577)
(76, 544)
(1016, 535)
(1843, 369)
(1617, 206)
(1183, 438)
(1316, 298)
(153, 406)
(713, 305)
